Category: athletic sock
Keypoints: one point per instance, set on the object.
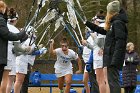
(61, 91)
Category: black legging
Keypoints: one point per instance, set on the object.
(129, 89)
(113, 79)
(1, 72)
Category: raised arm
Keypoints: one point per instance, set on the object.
(96, 28)
(87, 44)
(7, 35)
(52, 51)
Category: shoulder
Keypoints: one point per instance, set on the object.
(102, 25)
(73, 53)
(12, 28)
(70, 50)
(118, 22)
(2, 21)
(136, 53)
(119, 26)
(58, 49)
(90, 39)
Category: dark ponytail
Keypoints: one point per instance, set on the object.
(12, 14)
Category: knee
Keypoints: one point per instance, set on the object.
(106, 81)
(20, 81)
(68, 82)
(100, 81)
(85, 82)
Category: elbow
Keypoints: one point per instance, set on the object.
(51, 52)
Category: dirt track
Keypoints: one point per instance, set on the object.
(47, 90)
(55, 90)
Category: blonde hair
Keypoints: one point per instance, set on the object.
(108, 19)
(3, 7)
(128, 45)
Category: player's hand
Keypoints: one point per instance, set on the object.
(96, 22)
(78, 72)
(51, 41)
(84, 42)
(40, 46)
(84, 22)
(28, 49)
(100, 52)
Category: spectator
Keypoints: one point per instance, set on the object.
(129, 70)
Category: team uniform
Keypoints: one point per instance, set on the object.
(86, 52)
(97, 45)
(63, 65)
(11, 57)
(23, 60)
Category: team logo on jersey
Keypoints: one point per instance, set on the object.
(65, 59)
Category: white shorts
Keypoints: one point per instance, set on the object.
(85, 58)
(11, 61)
(98, 59)
(7, 68)
(21, 66)
(85, 70)
(97, 64)
(13, 71)
(61, 73)
(10, 64)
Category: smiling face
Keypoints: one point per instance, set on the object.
(64, 46)
(130, 47)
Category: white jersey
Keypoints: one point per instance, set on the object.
(96, 43)
(11, 56)
(86, 50)
(64, 61)
(26, 58)
(99, 35)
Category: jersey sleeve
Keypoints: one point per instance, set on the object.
(57, 50)
(74, 55)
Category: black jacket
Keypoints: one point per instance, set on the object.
(115, 42)
(5, 35)
(129, 73)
